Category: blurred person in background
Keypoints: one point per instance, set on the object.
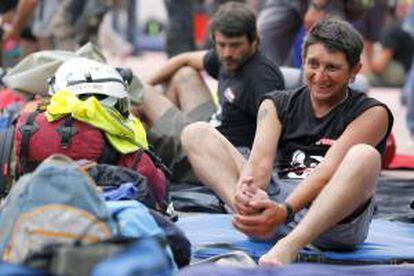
(56, 24)
(371, 25)
(76, 22)
(390, 64)
(180, 27)
(244, 75)
(119, 28)
(408, 89)
(280, 22)
(6, 9)
(19, 46)
(42, 12)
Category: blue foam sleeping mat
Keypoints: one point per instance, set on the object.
(388, 242)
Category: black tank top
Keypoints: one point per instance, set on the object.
(305, 139)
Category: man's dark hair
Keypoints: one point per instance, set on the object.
(234, 19)
(335, 35)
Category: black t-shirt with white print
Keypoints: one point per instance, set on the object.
(240, 94)
(305, 139)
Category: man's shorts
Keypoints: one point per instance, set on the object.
(343, 236)
(164, 136)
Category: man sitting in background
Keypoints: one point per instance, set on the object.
(389, 67)
(244, 75)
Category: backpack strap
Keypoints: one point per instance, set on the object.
(6, 145)
(27, 131)
(137, 158)
(66, 131)
(154, 158)
(109, 154)
(158, 162)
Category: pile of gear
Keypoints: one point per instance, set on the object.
(72, 154)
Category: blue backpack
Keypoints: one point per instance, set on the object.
(140, 248)
(56, 204)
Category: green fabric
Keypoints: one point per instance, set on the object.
(126, 135)
(31, 75)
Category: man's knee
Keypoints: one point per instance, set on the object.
(364, 154)
(184, 74)
(194, 135)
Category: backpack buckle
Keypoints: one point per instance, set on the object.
(66, 131)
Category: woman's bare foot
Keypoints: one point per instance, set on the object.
(281, 254)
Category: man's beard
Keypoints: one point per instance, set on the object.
(238, 62)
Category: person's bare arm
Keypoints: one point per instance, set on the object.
(258, 169)
(257, 215)
(369, 128)
(24, 11)
(379, 63)
(260, 163)
(193, 59)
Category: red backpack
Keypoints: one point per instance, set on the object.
(10, 105)
(36, 139)
(390, 150)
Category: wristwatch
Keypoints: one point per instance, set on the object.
(290, 214)
(318, 7)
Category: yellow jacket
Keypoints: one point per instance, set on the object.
(126, 135)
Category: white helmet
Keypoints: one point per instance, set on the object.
(85, 78)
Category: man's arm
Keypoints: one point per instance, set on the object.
(389, 42)
(258, 216)
(369, 128)
(193, 59)
(260, 163)
(24, 11)
(379, 64)
(258, 169)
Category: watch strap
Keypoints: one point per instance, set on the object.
(290, 214)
